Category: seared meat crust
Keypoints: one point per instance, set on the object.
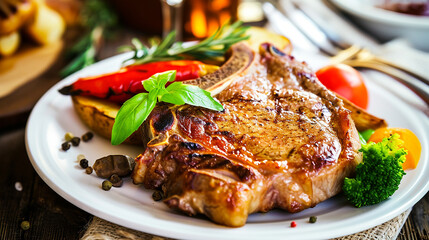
(283, 141)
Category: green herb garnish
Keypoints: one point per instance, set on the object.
(379, 174)
(212, 47)
(136, 109)
(367, 134)
(98, 20)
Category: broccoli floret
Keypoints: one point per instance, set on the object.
(379, 174)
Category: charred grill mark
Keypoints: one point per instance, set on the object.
(210, 161)
(164, 122)
(211, 127)
(316, 155)
(194, 155)
(275, 93)
(307, 75)
(192, 146)
(110, 93)
(225, 134)
(290, 152)
(268, 109)
(218, 119)
(160, 172)
(239, 99)
(215, 162)
(320, 161)
(278, 109)
(198, 121)
(68, 90)
(244, 174)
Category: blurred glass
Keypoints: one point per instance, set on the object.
(250, 11)
(172, 17)
(143, 15)
(201, 18)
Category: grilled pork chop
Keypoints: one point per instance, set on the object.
(283, 141)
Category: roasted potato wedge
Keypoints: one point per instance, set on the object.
(9, 43)
(99, 115)
(363, 120)
(16, 16)
(46, 26)
(260, 35)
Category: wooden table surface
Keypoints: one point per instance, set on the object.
(49, 215)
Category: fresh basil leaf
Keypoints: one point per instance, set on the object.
(217, 44)
(131, 115)
(135, 111)
(179, 94)
(159, 80)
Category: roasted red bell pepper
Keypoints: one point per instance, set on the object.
(125, 83)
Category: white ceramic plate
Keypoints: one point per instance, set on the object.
(385, 24)
(132, 206)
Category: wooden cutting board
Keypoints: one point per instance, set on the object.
(27, 64)
(24, 77)
(36, 70)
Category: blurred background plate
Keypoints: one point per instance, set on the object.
(387, 25)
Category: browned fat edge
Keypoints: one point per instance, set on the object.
(240, 57)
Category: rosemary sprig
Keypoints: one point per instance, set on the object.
(98, 19)
(212, 47)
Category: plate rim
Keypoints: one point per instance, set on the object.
(156, 230)
(362, 9)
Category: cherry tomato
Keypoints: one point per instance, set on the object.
(411, 144)
(346, 82)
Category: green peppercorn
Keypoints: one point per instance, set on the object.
(25, 225)
(116, 180)
(88, 170)
(313, 219)
(65, 146)
(83, 163)
(80, 157)
(87, 136)
(157, 196)
(106, 185)
(68, 136)
(75, 141)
